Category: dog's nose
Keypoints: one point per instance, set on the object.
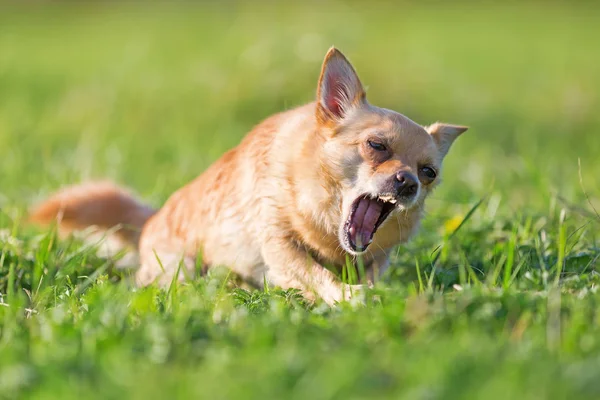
(407, 184)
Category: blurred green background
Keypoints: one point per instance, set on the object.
(150, 94)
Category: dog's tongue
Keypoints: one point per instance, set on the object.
(362, 225)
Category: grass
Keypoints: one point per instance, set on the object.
(495, 298)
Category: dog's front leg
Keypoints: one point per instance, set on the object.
(291, 267)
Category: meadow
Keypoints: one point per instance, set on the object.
(495, 298)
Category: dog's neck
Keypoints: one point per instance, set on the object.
(315, 212)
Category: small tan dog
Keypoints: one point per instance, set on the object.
(305, 189)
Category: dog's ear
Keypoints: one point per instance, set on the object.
(444, 135)
(339, 88)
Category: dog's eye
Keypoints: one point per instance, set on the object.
(376, 145)
(429, 172)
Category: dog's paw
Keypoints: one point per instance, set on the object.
(351, 294)
(356, 294)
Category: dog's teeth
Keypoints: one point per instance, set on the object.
(388, 199)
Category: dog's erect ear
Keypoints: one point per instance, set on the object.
(444, 135)
(339, 88)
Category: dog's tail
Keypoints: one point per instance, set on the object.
(100, 206)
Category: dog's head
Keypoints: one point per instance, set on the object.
(384, 162)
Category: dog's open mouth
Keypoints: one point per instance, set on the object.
(366, 215)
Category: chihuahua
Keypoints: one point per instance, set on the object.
(306, 190)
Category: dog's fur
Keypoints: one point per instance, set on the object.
(283, 203)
